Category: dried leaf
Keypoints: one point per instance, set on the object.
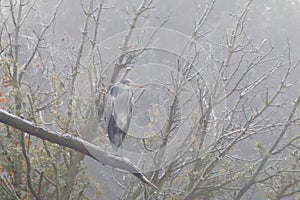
(3, 99)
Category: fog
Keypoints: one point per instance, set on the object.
(223, 63)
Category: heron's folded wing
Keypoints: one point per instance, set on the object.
(109, 104)
(123, 109)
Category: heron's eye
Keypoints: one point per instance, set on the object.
(114, 91)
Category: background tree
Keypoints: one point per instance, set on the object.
(230, 98)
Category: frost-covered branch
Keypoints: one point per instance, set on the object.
(74, 143)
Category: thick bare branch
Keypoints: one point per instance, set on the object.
(74, 143)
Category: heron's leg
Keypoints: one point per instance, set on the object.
(121, 151)
(121, 145)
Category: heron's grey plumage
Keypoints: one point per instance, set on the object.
(118, 111)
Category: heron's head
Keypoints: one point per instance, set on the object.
(129, 84)
(126, 82)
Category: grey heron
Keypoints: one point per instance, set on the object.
(118, 110)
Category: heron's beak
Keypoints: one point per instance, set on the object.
(137, 86)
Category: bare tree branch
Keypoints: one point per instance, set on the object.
(74, 143)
